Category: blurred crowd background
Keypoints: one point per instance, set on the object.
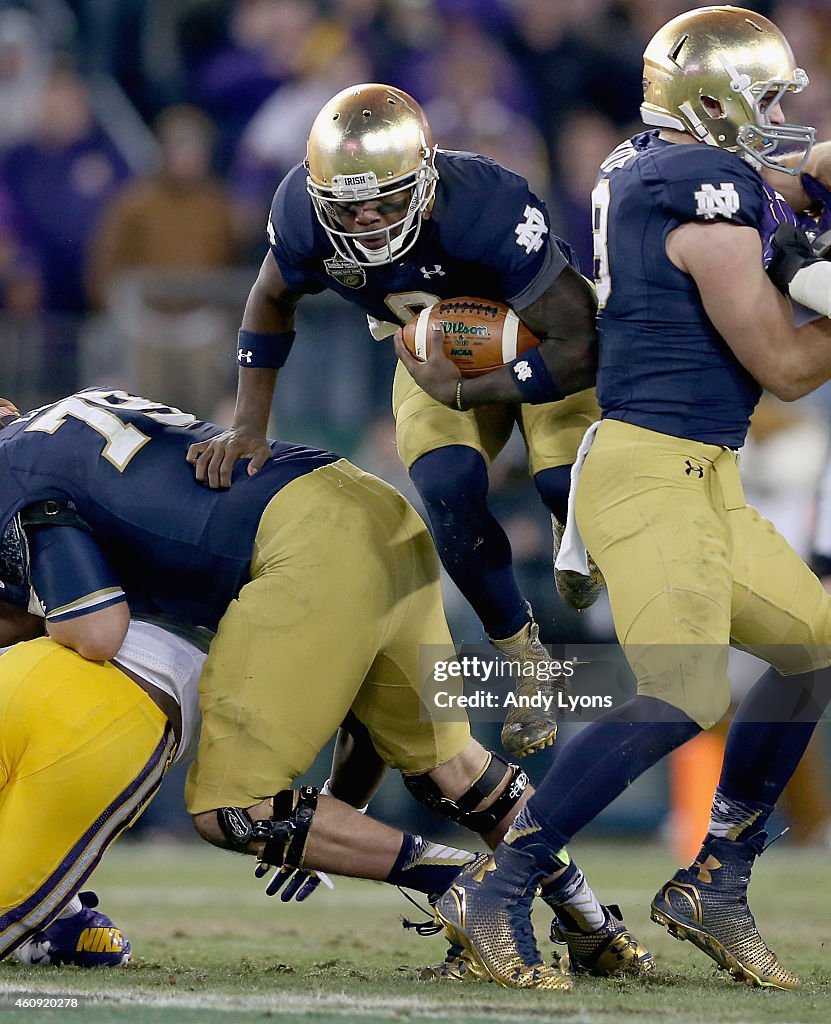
(141, 142)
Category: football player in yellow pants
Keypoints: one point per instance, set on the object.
(84, 748)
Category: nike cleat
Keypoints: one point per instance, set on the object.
(529, 728)
(88, 939)
(488, 914)
(706, 904)
(611, 950)
(574, 588)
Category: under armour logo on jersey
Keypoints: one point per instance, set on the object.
(244, 356)
(531, 231)
(523, 370)
(699, 470)
(272, 234)
(712, 202)
(435, 272)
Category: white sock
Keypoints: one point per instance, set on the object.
(71, 909)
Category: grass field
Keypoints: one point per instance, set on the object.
(210, 947)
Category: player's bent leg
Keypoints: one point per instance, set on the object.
(477, 789)
(259, 728)
(63, 718)
(474, 549)
(707, 903)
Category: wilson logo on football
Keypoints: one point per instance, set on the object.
(460, 327)
(478, 335)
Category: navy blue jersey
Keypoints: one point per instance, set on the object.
(662, 364)
(177, 547)
(488, 236)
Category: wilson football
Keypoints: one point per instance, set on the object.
(479, 335)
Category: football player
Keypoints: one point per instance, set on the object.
(380, 216)
(691, 330)
(106, 510)
(62, 717)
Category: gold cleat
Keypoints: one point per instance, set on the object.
(706, 904)
(574, 588)
(452, 968)
(492, 925)
(611, 950)
(530, 728)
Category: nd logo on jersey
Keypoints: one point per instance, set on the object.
(712, 202)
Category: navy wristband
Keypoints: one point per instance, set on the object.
(264, 350)
(532, 378)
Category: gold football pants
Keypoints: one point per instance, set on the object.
(552, 431)
(344, 594)
(691, 568)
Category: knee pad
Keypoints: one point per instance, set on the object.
(452, 476)
(461, 811)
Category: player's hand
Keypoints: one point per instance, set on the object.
(437, 375)
(791, 252)
(295, 883)
(214, 460)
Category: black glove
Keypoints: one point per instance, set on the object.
(296, 883)
(791, 252)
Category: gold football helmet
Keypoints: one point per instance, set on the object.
(717, 72)
(368, 143)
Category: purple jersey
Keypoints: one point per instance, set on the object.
(488, 235)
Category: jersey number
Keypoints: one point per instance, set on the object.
(600, 243)
(98, 410)
(406, 305)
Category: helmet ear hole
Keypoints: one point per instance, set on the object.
(712, 106)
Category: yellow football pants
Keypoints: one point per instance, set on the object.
(344, 597)
(552, 431)
(82, 751)
(691, 568)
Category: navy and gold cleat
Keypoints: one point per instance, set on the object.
(488, 914)
(611, 950)
(452, 968)
(706, 904)
(87, 939)
(530, 728)
(574, 588)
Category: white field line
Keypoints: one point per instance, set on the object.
(289, 1004)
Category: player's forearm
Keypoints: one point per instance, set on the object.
(255, 392)
(501, 386)
(806, 365)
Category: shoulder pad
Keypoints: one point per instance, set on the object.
(703, 183)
